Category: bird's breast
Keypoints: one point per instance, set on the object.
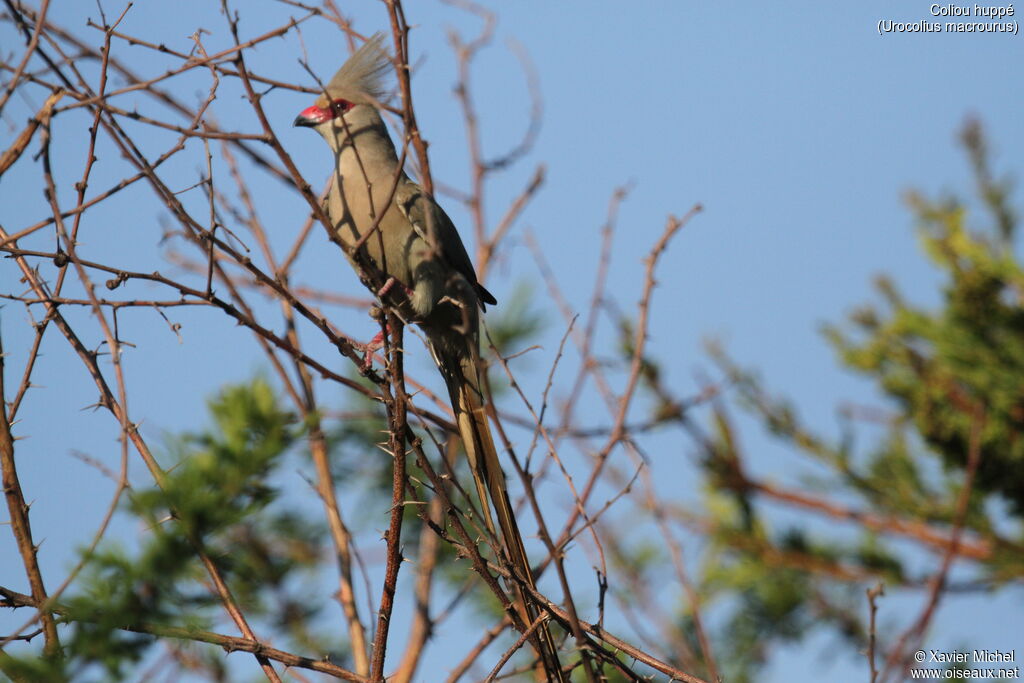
(365, 219)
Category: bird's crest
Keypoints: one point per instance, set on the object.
(361, 79)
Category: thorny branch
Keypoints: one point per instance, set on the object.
(21, 527)
(207, 258)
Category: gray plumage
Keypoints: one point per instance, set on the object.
(362, 77)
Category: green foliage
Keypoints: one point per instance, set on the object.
(221, 477)
(954, 375)
(32, 669)
(776, 587)
(216, 498)
(121, 591)
(960, 367)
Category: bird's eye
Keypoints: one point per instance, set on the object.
(339, 107)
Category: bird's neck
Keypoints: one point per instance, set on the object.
(367, 151)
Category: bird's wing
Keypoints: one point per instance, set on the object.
(420, 210)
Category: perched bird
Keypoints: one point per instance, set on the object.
(400, 231)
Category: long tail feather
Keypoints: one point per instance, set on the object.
(462, 378)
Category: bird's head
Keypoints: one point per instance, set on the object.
(350, 100)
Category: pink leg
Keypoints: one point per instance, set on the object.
(386, 287)
(374, 344)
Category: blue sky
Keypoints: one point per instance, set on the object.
(796, 125)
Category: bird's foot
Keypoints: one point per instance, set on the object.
(386, 287)
(376, 343)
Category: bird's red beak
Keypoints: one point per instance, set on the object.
(312, 116)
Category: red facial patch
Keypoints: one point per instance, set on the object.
(316, 115)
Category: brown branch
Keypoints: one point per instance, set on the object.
(118, 410)
(42, 118)
(489, 636)
(618, 433)
(516, 646)
(873, 594)
(272, 280)
(980, 549)
(899, 656)
(9, 598)
(121, 401)
(480, 168)
(616, 642)
(26, 377)
(233, 52)
(643, 604)
(120, 185)
(467, 548)
(487, 248)
(165, 98)
(30, 48)
(464, 546)
(306, 404)
(672, 226)
(464, 54)
(585, 341)
(341, 537)
(396, 409)
(692, 596)
(227, 307)
(20, 526)
(400, 36)
(555, 553)
(422, 625)
(205, 134)
(106, 303)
